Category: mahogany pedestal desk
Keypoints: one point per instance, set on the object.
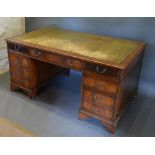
(110, 67)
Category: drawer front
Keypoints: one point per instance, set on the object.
(50, 57)
(18, 60)
(75, 64)
(18, 70)
(104, 86)
(97, 111)
(101, 70)
(17, 48)
(57, 59)
(98, 99)
(20, 80)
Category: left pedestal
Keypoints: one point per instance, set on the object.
(29, 74)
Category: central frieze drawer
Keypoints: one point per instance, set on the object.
(50, 57)
(57, 59)
(75, 64)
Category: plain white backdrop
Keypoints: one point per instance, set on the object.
(77, 8)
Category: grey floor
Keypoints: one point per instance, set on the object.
(55, 111)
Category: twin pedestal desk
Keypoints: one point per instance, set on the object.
(110, 67)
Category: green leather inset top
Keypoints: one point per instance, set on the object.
(101, 48)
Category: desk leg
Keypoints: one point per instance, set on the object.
(32, 94)
(13, 87)
(110, 127)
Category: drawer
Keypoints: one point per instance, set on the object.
(17, 48)
(18, 70)
(101, 70)
(18, 60)
(97, 111)
(75, 64)
(57, 59)
(97, 84)
(98, 99)
(20, 80)
(50, 57)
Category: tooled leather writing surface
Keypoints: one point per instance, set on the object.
(101, 48)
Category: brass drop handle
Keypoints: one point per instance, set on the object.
(21, 81)
(38, 53)
(99, 85)
(100, 70)
(96, 109)
(70, 62)
(16, 47)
